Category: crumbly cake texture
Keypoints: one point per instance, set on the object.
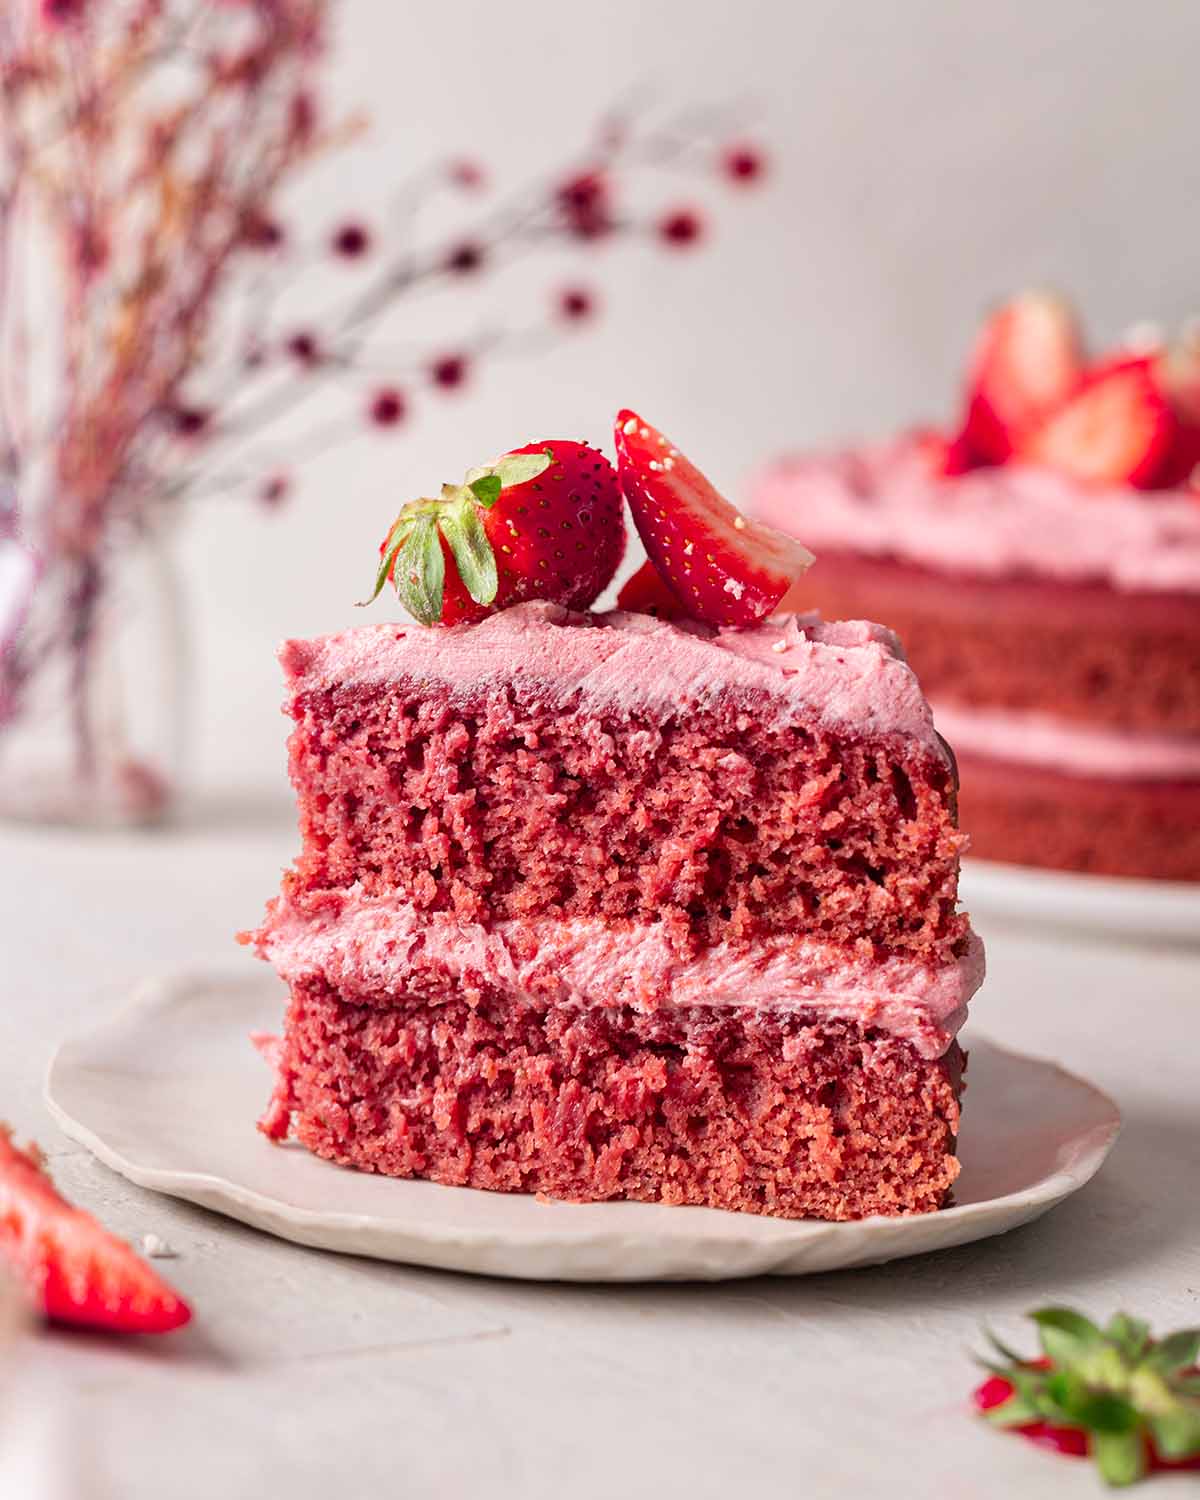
(600, 907)
(649, 773)
(790, 1115)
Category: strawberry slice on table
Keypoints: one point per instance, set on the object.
(1114, 1394)
(545, 521)
(722, 567)
(1117, 429)
(72, 1268)
(645, 593)
(1027, 361)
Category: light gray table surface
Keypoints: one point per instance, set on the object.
(310, 1374)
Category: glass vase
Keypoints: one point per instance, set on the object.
(93, 692)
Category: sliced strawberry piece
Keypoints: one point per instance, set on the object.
(646, 594)
(945, 457)
(1117, 429)
(74, 1270)
(722, 567)
(1178, 373)
(1026, 362)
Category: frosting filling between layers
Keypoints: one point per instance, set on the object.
(1036, 739)
(371, 944)
(882, 501)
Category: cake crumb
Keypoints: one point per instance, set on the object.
(157, 1248)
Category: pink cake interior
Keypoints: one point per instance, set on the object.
(783, 1115)
(530, 797)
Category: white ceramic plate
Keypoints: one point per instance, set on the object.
(1155, 909)
(168, 1091)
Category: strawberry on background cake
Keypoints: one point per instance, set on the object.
(1041, 563)
(654, 904)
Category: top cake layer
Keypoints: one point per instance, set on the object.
(997, 522)
(728, 786)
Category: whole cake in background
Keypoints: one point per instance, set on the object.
(1041, 563)
(614, 905)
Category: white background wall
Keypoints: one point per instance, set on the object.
(929, 156)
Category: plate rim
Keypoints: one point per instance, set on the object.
(1087, 1155)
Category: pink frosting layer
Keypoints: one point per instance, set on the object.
(847, 673)
(882, 501)
(382, 943)
(1040, 740)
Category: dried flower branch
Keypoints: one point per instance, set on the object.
(145, 142)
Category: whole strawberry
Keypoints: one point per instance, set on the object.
(543, 522)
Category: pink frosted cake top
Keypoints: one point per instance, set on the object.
(882, 500)
(844, 673)
(385, 944)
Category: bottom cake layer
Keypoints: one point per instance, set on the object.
(1030, 815)
(792, 1115)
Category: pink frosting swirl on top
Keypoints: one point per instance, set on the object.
(882, 500)
(849, 673)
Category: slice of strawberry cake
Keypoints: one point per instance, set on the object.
(602, 905)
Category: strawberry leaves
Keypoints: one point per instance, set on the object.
(413, 555)
(1131, 1402)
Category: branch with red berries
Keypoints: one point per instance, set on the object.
(150, 141)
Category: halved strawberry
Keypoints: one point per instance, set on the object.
(722, 567)
(73, 1269)
(945, 457)
(646, 594)
(543, 522)
(1178, 373)
(1117, 429)
(1026, 362)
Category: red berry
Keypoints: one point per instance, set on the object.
(1026, 362)
(261, 233)
(743, 163)
(680, 227)
(351, 241)
(585, 204)
(72, 1268)
(466, 174)
(465, 258)
(576, 303)
(64, 12)
(722, 567)
(450, 371)
(304, 348)
(387, 407)
(302, 116)
(275, 490)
